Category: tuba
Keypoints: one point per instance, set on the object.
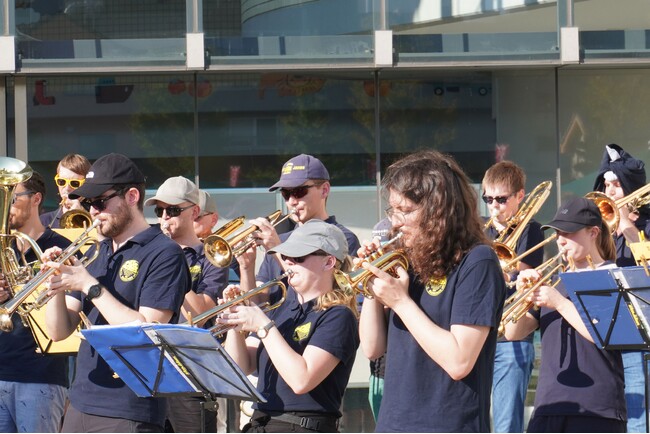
(609, 208)
(356, 281)
(220, 247)
(506, 243)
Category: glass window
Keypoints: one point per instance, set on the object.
(474, 30)
(296, 31)
(93, 32)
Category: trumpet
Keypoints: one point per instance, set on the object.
(75, 219)
(609, 208)
(17, 302)
(216, 311)
(517, 305)
(220, 250)
(356, 281)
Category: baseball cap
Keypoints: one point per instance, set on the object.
(312, 236)
(575, 214)
(206, 203)
(109, 170)
(175, 190)
(298, 170)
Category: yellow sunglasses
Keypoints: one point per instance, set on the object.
(74, 183)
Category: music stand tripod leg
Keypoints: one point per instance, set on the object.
(208, 404)
(646, 358)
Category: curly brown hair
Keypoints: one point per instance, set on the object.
(449, 221)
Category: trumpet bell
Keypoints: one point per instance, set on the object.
(608, 208)
(76, 219)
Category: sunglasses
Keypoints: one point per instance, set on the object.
(73, 183)
(24, 193)
(100, 204)
(501, 200)
(172, 211)
(301, 259)
(298, 192)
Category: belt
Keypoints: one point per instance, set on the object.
(314, 423)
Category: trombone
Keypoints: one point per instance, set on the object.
(219, 329)
(506, 243)
(517, 305)
(511, 265)
(220, 250)
(356, 281)
(609, 208)
(17, 302)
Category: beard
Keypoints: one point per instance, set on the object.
(117, 222)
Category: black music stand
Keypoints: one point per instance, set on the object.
(158, 360)
(614, 304)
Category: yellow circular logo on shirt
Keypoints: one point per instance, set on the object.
(129, 270)
(435, 287)
(301, 332)
(195, 271)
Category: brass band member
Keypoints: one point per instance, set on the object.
(440, 335)
(70, 175)
(580, 386)
(503, 192)
(177, 208)
(304, 350)
(33, 387)
(619, 175)
(139, 274)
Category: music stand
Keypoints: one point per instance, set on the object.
(158, 360)
(614, 304)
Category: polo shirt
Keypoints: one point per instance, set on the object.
(148, 270)
(334, 330)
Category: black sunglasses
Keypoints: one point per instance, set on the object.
(298, 192)
(501, 200)
(172, 211)
(301, 259)
(100, 204)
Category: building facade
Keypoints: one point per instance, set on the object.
(225, 91)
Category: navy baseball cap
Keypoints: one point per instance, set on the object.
(575, 214)
(298, 170)
(108, 171)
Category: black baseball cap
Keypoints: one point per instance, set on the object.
(108, 171)
(575, 214)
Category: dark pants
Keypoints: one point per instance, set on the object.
(184, 414)
(575, 424)
(261, 422)
(76, 421)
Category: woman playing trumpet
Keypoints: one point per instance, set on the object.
(303, 351)
(440, 335)
(580, 386)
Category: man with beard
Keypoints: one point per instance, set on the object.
(139, 275)
(177, 207)
(32, 386)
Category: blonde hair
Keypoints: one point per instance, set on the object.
(338, 296)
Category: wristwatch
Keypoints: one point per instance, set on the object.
(94, 291)
(262, 332)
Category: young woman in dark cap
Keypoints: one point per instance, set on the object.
(304, 350)
(620, 175)
(581, 387)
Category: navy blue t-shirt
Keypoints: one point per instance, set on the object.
(52, 219)
(206, 278)
(148, 270)
(530, 237)
(19, 361)
(270, 268)
(575, 376)
(334, 330)
(418, 394)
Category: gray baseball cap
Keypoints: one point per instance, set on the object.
(312, 236)
(175, 190)
(206, 203)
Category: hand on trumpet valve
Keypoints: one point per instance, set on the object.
(265, 235)
(230, 293)
(389, 290)
(5, 292)
(243, 318)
